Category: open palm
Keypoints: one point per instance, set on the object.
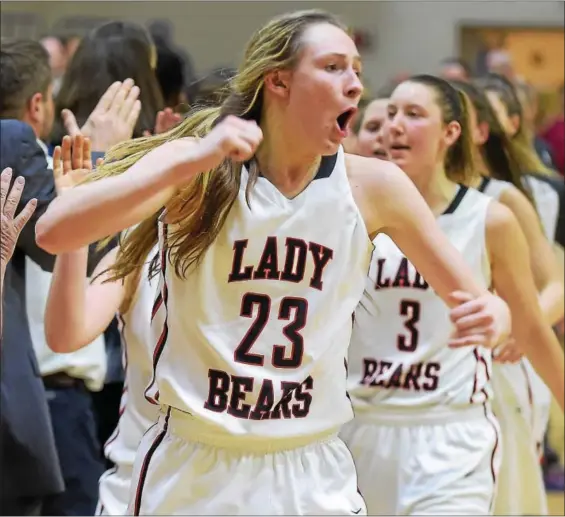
(11, 224)
(72, 162)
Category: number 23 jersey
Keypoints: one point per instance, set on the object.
(254, 340)
(399, 358)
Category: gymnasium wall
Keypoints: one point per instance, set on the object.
(407, 36)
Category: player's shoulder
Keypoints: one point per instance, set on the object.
(373, 178)
(369, 168)
(500, 218)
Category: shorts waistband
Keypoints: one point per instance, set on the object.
(418, 416)
(192, 429)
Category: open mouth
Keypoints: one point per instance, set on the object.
(380, 153)
(399, 147)
(345, 118)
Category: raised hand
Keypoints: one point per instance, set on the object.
(12, 226)
(483, 321)
(233, 138)
(112, 121)
(72, 162)
(166, 120)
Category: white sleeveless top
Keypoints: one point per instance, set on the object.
(518, 386)
(254, 340)
(399, 357)
(136, 413)
(546, 200)
(547, 204)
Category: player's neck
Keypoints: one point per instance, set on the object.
(482, 167)
(285, 162)
(436, 189)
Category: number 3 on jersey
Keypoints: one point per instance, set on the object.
(411, 310)
(295, 308)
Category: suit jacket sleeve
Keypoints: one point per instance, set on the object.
(28, 160)
(30, 163)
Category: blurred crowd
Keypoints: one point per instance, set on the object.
(58, 410)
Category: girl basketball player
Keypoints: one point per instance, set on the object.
(522, 400)
(265, 229)
(425, 405)
(369, 132)
(78, 313)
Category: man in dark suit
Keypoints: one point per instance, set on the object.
(47, 465)
(29, 463)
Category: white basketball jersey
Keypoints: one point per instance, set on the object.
(547, 204)
(546, 200)
(493, 188)
(255, 339)
(518, 386)
(136, 413)
(399, 358)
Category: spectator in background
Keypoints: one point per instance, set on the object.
(71, 43)
(162, 33)
(58, 59)
(26, 95)
(453, 68)
(170, 75)
(112, 52)
(27, 86)
(29, 463)
(554, 135)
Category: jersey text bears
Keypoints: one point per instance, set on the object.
(228, 392)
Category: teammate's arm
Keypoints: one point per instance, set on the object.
(78, 311)
(545, 267)
(93, 211)
(391, 204)
(513, 280)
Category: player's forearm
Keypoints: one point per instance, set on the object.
(96, 210)
(546, 355)
(65, 310)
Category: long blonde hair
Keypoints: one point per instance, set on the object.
(202, 207)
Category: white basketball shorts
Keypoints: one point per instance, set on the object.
(182, 469)
(415, 464)
(114, 489)
(521, 404)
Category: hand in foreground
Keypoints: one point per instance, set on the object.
(479, 321)
(72, 162)
(507, 352)
(233, 138)
(12, 226)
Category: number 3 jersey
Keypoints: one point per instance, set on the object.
(254, 340)
(399, 358)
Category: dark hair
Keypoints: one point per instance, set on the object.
(498, 151)
(529, 161)
(112, 52)
(214, 87)
(24, 71)
(453, 103)
(170, 74)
